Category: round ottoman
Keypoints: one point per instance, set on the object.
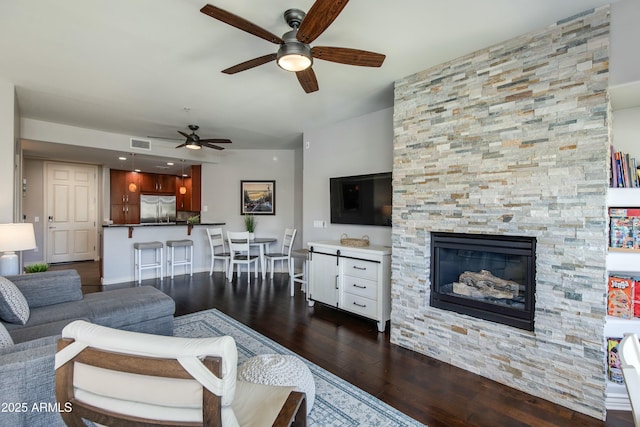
(280, 369)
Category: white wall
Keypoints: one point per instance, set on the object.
(626, 131)
(33, 206)
(8, 136)
(221, 189)
(353, 147)
(625, 38)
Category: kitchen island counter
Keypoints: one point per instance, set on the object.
(117, 247)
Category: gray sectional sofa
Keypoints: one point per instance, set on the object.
(27, 377)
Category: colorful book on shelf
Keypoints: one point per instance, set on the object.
(614, 370)
(620, 297)
(624, 228)
(624, 170)
(636, 298)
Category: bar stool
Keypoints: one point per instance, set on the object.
(300, 277)
(158, 263)
(188, 255)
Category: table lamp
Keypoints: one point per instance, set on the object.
(14, 237)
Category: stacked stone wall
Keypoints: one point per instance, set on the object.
(511, 140)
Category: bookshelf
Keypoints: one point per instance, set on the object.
(625, 263)
(625, 100)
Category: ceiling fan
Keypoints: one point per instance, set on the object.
(294, 53)
(194, 142)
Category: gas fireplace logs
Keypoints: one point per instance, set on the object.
(485, 285)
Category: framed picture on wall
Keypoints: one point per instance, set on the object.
(258, 197)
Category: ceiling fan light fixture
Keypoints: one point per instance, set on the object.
(193, 145)
(294, 55)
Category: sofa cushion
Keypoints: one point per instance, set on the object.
(13, 305)
(27, 376)
(26, 334)
(120, 308)
(49, 287)
(48, 320)
(5, 338)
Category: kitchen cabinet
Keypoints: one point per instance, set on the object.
(192, 199)
(125, 214)
(153, 183)
(125, 197)
(324, 274)
(357, 280)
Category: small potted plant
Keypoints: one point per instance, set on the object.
(250, 224)
(36, 268)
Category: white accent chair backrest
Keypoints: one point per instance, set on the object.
(285, 252)
(240, 250)
(629, 353)
(116, 377)
(218, 249)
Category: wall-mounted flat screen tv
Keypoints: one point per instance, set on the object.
(361, 199)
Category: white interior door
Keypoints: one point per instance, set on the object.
(71, 207)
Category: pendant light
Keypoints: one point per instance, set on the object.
(133, 187)
(182, 189)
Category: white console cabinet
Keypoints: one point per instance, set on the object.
(357, 280)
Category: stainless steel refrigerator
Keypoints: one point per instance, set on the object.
(157, 209)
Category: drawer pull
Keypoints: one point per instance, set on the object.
(359, 286)
(359, 268)
(360, 305)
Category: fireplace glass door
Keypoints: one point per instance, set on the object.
(486, 276)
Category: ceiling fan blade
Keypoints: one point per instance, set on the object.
(165, 138)
(240, 23)
(181, 145)
(215, 147)
(318, 18)
(307, 79)
(348, 56)
(186, 135)
(250, 64)
(215, 141)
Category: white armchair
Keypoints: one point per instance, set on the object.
(123, 378)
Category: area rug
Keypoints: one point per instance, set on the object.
(337, 402)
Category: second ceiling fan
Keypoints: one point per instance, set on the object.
(194, 142)
(294, 53)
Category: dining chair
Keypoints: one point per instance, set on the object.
(217, 243)
(285, 253)
(240, 250)
(629, 353)
(133, 379)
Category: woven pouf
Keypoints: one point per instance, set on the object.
(280, 369)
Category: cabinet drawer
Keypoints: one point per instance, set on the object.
(360, 305)
(361, 268)
(358, 286)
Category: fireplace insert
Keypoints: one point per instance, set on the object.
(485, 276)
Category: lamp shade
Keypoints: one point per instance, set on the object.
(17, 237)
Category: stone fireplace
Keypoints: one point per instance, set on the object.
(485, 276)
(512, 140)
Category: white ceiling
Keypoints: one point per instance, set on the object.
(133, 66)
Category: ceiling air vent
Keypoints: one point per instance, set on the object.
(140, 144)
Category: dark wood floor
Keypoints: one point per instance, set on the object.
(430, 391)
